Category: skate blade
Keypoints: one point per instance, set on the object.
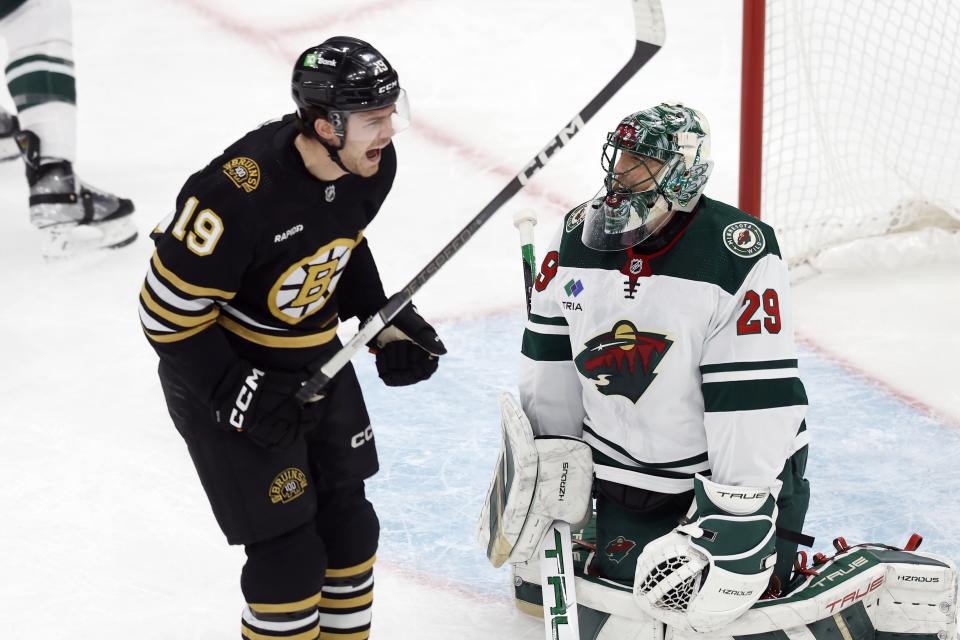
(69, 241)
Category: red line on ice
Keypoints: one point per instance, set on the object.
(886, 387)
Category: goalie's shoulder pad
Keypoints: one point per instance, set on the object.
(536, 481)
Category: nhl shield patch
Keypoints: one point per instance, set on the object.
(289, 485)
(243, 172)
(744, 239)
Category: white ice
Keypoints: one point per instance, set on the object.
(106, 532)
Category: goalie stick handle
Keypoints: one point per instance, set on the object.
(524, 221)
(650, 33)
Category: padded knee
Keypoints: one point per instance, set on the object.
(286, 570)
(348, 525)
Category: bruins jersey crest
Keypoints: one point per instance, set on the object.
(306, 286)
(243, 172)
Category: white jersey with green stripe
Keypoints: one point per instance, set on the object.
(670, 358)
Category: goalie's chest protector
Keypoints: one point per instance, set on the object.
(641, 325)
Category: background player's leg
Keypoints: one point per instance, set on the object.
(40, 77)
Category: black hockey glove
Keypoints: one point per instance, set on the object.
(261, 405)
(408, 349)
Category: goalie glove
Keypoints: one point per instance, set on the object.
(716, 564)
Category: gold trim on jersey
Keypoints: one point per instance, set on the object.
(347, 603)
(175, 318)
(355, 570)
(309, 634)
(186, 287)
(179, 335)
(281, 342)
(288, 607)
(327, 634)
(315, 276)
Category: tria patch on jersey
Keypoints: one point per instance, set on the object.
(289, 485)
(330, 193)
(623, 360)
(574, 287)
(618, 549)
(744, 239)
(576, 218)
(243, 172)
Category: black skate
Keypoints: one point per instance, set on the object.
(74, 217)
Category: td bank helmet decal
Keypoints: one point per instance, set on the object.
(306, 286)
(623, 360)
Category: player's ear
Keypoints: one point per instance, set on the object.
(326, 132)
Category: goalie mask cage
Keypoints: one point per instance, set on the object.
(850, 118)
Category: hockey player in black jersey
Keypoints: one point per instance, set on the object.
(252, 273)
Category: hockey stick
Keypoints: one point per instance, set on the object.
(555, 551)
(650, 34)
(525, 221)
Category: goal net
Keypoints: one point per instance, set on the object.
(860, 119)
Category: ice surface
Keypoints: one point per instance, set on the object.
(106, 532)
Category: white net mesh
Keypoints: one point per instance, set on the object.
(861, 119)
(676, 598)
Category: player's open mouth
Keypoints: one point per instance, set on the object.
(373, 154)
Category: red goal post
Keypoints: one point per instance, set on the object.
(850, 118)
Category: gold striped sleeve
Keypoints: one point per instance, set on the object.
(176, 318)
(179, 335)
(186, 287)
(280, 342)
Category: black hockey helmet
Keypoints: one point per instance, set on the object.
(344, 74)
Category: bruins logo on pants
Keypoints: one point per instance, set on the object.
(288, 485)
(306, 286)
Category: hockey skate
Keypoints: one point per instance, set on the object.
(8, 129)
(74, 217)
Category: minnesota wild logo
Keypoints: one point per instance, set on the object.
(618, 549)
(622, 361)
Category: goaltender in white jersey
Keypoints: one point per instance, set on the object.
(660, 376)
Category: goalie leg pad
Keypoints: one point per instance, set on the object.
(536, 481)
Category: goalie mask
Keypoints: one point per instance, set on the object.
(657, 161)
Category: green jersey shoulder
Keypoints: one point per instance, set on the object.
(720, 245)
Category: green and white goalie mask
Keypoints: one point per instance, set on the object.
(657, 161)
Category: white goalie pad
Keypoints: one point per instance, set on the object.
(866, 593)
(536, 481)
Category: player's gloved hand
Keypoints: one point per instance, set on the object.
(709, 570)
(260, 404)
(408, 349)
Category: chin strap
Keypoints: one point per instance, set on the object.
(334, 153)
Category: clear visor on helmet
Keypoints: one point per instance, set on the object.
(379, 124)
(629, 208)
